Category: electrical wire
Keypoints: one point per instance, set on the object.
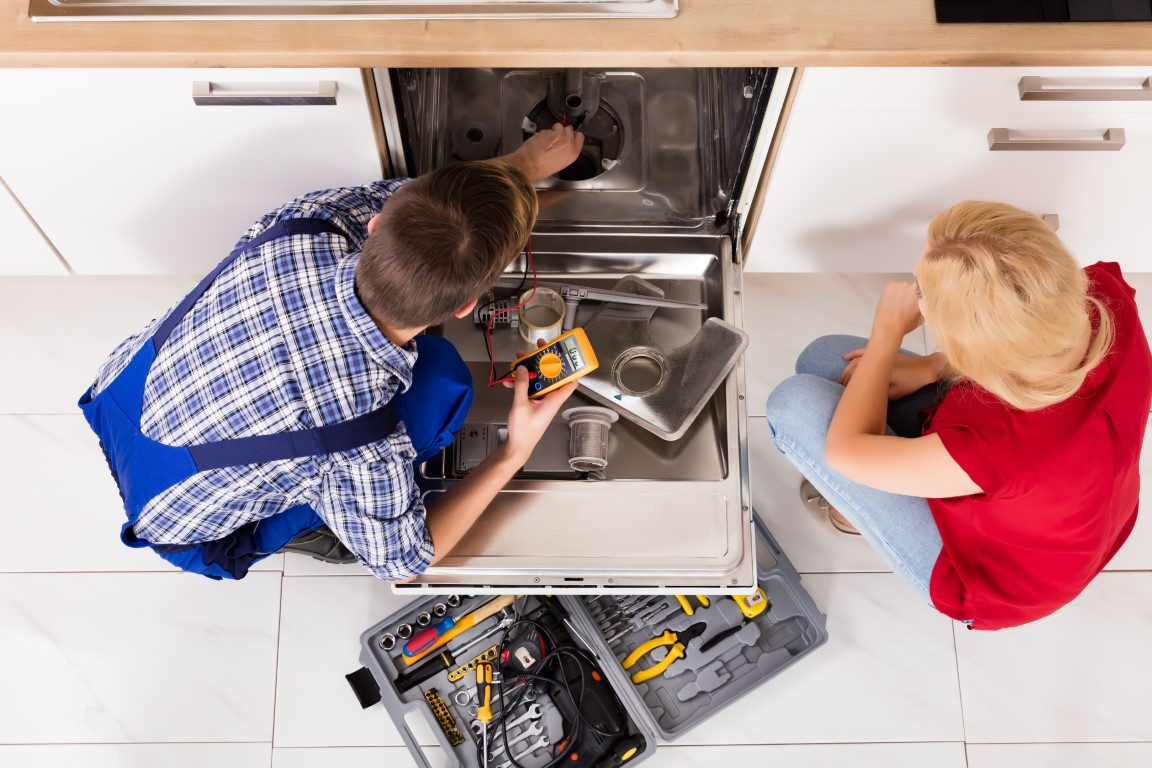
(492, 380)
(555, 654)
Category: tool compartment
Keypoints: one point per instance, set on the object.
(703, 682)
(532, 711)
(752, 641)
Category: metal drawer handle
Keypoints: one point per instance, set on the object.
(1032, 89)
(1000, 141)
(206, 93)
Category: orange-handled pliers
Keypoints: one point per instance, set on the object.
(679, 642)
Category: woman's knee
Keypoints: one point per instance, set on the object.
(824, 357)
(801, 402)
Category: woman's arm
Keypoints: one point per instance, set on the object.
(857, 446)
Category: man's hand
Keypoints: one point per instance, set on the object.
(549, 151)
(909, 372)
(528, 419)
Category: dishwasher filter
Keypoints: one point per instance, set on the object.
(661, 390)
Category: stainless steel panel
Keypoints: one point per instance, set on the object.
(667, 513)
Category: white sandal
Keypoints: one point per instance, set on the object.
(813, 499)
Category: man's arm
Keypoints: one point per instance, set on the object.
(549, 151)
(454, 512)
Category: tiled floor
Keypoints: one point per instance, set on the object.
(110, 661)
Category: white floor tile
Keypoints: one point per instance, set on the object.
(350, 757)
(809, 540)
(1082, 674)
(671, 756)
(886, 674)
(783, 313)
(133, 658)
(136, 755)
(812, 756)
(1059, 755)
(320, 630)
(56, 331)
(58, 485)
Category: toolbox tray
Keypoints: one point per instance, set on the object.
(662, 709)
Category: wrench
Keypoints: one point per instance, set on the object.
(535, 729)
(533, 713)
(541, 744)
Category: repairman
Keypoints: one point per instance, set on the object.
(282, 405)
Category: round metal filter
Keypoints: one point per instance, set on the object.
(588, 439)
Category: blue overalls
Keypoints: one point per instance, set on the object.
(433, 409)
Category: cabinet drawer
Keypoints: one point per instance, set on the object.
(977, 89)
(127, 174)
(857, 196)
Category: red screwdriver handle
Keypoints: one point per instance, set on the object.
(427, 637)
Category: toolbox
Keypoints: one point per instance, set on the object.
(594, 680)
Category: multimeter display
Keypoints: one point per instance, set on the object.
(568, 357)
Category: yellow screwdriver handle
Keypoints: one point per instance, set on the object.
(484, 692)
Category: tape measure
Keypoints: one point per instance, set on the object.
(754, 604)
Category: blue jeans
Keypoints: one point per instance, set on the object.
(800, 411)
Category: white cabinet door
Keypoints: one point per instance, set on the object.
(23, 250)
(853, 191)
(127, 175)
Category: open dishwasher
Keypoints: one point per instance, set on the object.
(651, 210)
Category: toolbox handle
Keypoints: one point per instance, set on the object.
(416, 748)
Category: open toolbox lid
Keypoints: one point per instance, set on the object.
(661, 709)
(704, 682)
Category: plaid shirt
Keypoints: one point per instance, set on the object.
(280, 342)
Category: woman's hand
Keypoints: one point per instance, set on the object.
(899, 310)
(909, 372)
(549, 151)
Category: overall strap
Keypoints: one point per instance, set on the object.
(283, 228)
(333, 438)
(257, 449)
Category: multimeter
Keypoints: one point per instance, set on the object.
(566, 358)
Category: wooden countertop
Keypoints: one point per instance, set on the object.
(706, 32)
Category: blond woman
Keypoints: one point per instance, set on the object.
(999, 475)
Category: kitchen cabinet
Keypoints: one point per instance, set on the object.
(870, 155)
(127, 174)
(25, 251)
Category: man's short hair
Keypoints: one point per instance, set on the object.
(442, 240)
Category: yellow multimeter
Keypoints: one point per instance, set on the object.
(566, 358)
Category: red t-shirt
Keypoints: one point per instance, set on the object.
(1061, 485)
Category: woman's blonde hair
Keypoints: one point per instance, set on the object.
(1008, 303)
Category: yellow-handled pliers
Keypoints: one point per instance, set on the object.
(687, 606)
(678, 641)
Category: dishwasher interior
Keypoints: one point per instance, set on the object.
(640, 237)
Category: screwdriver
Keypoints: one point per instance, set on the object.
(484, 701)
(446, 659)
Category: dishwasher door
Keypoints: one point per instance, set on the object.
(653, 197)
